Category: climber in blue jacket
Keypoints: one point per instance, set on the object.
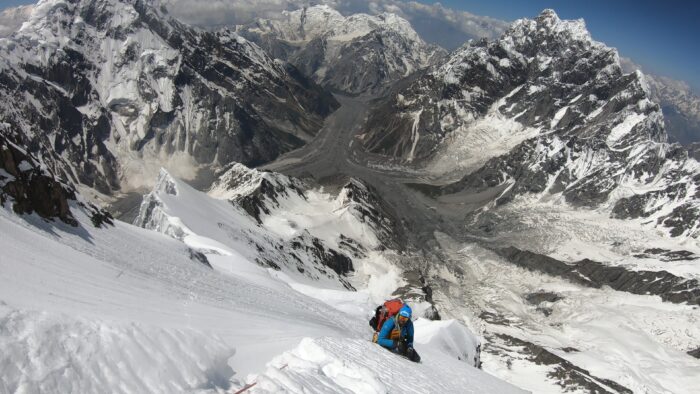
(397, 334)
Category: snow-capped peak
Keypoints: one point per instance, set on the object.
(547, 30)
(308, 23)
(357, 54)
(240, 180)
(560, 95)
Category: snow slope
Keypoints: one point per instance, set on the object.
(126, 279)
(637, 341)
(128, 310)
(358, 366)
(306, 236)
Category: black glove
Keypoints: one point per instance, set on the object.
(402, 347)
(412, 355)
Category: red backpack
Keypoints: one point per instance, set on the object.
(385, 312)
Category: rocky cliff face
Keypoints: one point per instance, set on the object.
(112, 89)
(28, 187)
(358, 54)
(560, 116)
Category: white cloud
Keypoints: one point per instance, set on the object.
(628, 65)
(11, 19)
(445, 26)
(213, 13)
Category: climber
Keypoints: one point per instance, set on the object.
(396, 334)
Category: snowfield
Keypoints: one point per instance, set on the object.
(127, 310)
(638, 341)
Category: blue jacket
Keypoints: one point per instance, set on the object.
(384, 337)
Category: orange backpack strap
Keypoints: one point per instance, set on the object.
(395, 334)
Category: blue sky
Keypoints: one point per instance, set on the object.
(12, 3)
(662, 36)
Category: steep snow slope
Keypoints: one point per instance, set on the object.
(108, 91)
(357, 366)
(137, 285)
(357, 54)
(124, 309)
(271, 220)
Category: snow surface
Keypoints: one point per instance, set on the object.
(126, 310)
(474, 142)
(210, 223)
(359, 366)
(621, 129)
(635, 340)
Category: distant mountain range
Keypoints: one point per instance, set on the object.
(679, 102)
(356, 54)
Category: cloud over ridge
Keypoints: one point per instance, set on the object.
(444, 26)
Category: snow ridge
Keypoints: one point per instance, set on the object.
(272, 221)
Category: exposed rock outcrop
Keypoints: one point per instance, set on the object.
(586, 272)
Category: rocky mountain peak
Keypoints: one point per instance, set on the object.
(109, 91)
(533, 57)
(544, 109)
(548, 22)
(240, 180)
(547, 35)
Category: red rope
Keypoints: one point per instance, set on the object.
(246, 387)
(250, 385)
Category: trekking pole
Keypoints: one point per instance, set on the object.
(250, 385)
